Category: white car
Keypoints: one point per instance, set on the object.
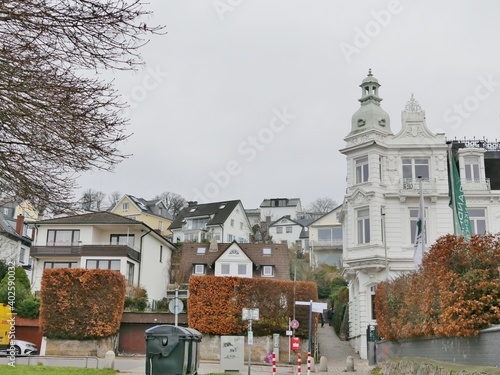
(23, 347)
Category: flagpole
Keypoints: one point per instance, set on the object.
(422, 210)
(452, 185)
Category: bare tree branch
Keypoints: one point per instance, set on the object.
(55, 120)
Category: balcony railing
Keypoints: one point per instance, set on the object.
(85, 250)
(478, 184)
(334, 243)
(413, 184)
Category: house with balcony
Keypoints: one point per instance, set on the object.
(153, 213)
(223, 221)
(235, 259)
(103, 240)
(386, 172)
(325, 239)
(276, 208)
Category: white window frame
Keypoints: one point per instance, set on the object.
(289, 229)
(201, 250)
(413, 215)
(225, 269)
(267, 271)
(477, 217)
(199, 269)
(415, 167)
(266, 251)
(125, 206)
(242, 267)
(472, 168)
(362, 170)
(363, 225)
(279, 230)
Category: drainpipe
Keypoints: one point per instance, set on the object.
(140, 253)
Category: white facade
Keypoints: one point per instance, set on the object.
(286, 231)
(233, 262)
(276, 208)
(325, 239)
(381, 202)
(139, 253)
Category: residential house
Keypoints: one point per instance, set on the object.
(15, 242)
(275, 208)
(225, 221)
(235, 259)
(104, 240)
(153, 213)
(325, 239)
(385, 174)
(289, 231)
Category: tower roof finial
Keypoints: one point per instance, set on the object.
(370, 72)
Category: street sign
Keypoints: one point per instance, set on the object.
(316, 306)
(250, 314)
(294, 324)
(250, 338)
(175, 306)
(289, 333)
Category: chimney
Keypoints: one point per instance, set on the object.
(192, 203)
(20, 224)
(213, 245)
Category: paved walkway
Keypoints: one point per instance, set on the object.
(330, 346)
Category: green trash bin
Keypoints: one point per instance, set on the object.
(194, 351)
(168, 350)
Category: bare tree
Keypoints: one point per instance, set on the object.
(114, 198)
(174, 202)
(56, 121)
(322, 205)
(92, 200)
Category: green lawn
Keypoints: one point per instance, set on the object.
(48, 370)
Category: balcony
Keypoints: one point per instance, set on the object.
(412, 185)
(85, 250)
(479, 184)
(328, 244)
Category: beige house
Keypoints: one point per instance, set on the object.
(153, 213)
(325, 239)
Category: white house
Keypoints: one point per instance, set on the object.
(104, 240)
(225, 221)
(275, 208)
(380, 208)
(325, 239)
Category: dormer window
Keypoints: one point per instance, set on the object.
(222, 206)
(201, 251)
(193, 209)
(267, 271)
(199, 269)
(266, 251)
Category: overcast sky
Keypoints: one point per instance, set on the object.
(252, 99)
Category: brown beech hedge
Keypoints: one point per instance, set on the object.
(81, 304)
(456, 291)
(215, 304)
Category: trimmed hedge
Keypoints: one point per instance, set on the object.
(81, 304)
(456, 291)
(215, 304)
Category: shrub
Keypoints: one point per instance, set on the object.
(81, 304)
(29, 308)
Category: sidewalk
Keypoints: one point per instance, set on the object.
(330, 346)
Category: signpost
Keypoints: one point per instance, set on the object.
(250, 314)
(313, 307)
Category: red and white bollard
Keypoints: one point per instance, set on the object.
(309, 363)
(299, 364)
(274, 363)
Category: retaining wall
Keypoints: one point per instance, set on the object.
(481, 350)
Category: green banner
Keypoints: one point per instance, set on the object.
(460, 214)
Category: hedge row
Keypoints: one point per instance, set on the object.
(215, 304)
(456, 291)
(81, 304)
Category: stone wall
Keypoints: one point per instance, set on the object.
(210, 348)
(423, 366)
(80, 347)
(481, 350)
